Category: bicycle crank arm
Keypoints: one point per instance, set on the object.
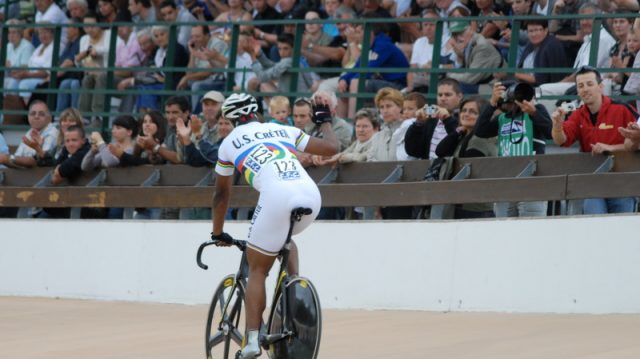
(269, 339)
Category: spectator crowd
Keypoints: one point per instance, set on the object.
(476, 113)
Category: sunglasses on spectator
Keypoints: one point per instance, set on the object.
(303, 100)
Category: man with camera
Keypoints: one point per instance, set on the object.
(303, 114)
(263, 153)
(434, 122)
(522, 126)
(595, 125)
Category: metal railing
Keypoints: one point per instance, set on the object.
(361, 95)
(569, 178)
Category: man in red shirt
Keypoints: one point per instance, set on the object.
(595, 125)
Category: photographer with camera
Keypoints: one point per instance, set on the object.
(430, 127)
(522, 126)
(595, 125)
(305, 117)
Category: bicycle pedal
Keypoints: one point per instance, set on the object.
(263, 342)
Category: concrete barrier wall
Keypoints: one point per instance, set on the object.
(563, 265)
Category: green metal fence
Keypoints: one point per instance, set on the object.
(361, 95)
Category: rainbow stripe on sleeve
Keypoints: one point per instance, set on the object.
(300, 138)
(224, 164)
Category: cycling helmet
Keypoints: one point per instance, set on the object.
(240, 107)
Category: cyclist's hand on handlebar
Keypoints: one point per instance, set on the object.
(223, 239)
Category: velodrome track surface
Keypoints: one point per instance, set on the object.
(81, 329)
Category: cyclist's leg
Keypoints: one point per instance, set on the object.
(259, 266)
(266, 237)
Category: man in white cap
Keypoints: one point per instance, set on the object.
(211, 104)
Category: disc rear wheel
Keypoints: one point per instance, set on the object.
(306, 322)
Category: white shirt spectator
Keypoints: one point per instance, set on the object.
(102, 48)
(604, 61)
(244, 62)
(421, 54)
(19, 56)
(398, 139)
(161, 53)
(49, 135)
(55, 15)
(41, 57)
(422, 51)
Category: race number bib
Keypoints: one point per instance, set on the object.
(287, 170)
(258, 157)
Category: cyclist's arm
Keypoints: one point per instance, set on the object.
(221, 201)
(327, 145)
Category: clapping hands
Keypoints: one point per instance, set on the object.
(116, 149)
(146, 142)
(631, 132)
(34, 140)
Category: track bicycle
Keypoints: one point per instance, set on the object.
(294, 324)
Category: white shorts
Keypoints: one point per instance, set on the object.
(272, 216)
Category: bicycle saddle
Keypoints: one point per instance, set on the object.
(297, 213)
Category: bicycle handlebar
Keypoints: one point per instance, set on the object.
(242, 245)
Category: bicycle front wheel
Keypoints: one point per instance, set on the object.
(225, 322)
(305, 322)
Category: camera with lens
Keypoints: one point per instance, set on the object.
(321, 113)
(517, 91)
(430, 110)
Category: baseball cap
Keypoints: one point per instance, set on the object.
(213, 96)
(458, 26)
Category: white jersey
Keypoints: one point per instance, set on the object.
(264, 154)
(254, 146)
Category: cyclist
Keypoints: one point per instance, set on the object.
(264, 154)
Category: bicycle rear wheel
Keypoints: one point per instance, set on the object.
(306, 322)
(225, 327)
